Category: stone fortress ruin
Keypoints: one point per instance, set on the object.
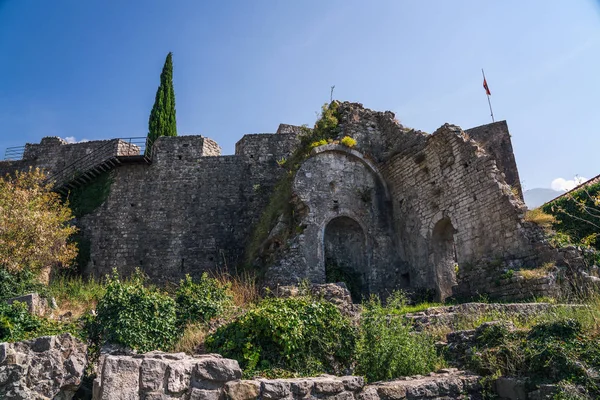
(440, 213)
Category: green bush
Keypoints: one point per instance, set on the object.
(134, 316)
(301, 335)
(550, 352)
(577, 214)
(16, 324)
(388, 347)
(18, 283)
(201, 301)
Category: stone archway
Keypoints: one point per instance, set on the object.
(444, 258)
(345, 255)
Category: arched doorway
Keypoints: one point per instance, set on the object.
(444, 258)
(345, 255)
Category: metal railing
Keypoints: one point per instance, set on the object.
(14, 153)
(104, 157)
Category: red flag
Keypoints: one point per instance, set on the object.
(485, 86)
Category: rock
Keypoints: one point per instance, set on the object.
(48, 367)
(510, 388)
(442, 386)
(275, 389)
(242, 390)
(159, 375)
(36, 304)
(328, 385)
(217, 370)
(204, 394)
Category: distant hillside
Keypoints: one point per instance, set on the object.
(538, 196)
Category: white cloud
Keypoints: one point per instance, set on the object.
(563, 185)
(71, 139)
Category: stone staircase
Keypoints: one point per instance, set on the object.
(105, 158)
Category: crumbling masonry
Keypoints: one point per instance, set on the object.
(437, 212)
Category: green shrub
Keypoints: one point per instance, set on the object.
(201, 301)
(17, 324)
(134, 316)
(550, 352)
(388, 347)
(18, 283)
(577, 214)
(299, 334)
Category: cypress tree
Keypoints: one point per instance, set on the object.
(162, 117)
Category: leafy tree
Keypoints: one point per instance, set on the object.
(162, 117)
(34, 224)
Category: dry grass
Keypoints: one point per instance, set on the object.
(539, 217)
(192, 340)
(76, 295)
(536, 273)
(243, 287)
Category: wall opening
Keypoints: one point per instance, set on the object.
(345, 255)
(444, 258)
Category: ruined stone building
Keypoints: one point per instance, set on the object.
(438, 212)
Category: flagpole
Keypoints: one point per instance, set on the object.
(488, 97)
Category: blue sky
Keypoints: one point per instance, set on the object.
(90, 69)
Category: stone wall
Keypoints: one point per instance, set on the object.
(495, 139)
(184, 213)
(433, 212)
(338, 184)
(439, 204)
(159, 375)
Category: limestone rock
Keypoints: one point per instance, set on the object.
(159, 375)
(49, 367)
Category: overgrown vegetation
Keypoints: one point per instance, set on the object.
(551, 352)
(34, 225)
(135, 316)
(577, 215)
(16, 324)
(299, 335)
(85, 199)
(17, 283)
(388, 346)
(326, 129)
(201, 301)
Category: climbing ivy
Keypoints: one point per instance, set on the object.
(85, 199)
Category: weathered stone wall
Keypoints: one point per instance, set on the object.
(184, 213)
(495, 139)
(439, 203)
(333, 185)
(159, 375)
(402, 209)
(265, 146)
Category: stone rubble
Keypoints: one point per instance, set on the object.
(49, 367)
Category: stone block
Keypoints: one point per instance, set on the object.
(275, 389)
(242, 390)
(36, 304)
